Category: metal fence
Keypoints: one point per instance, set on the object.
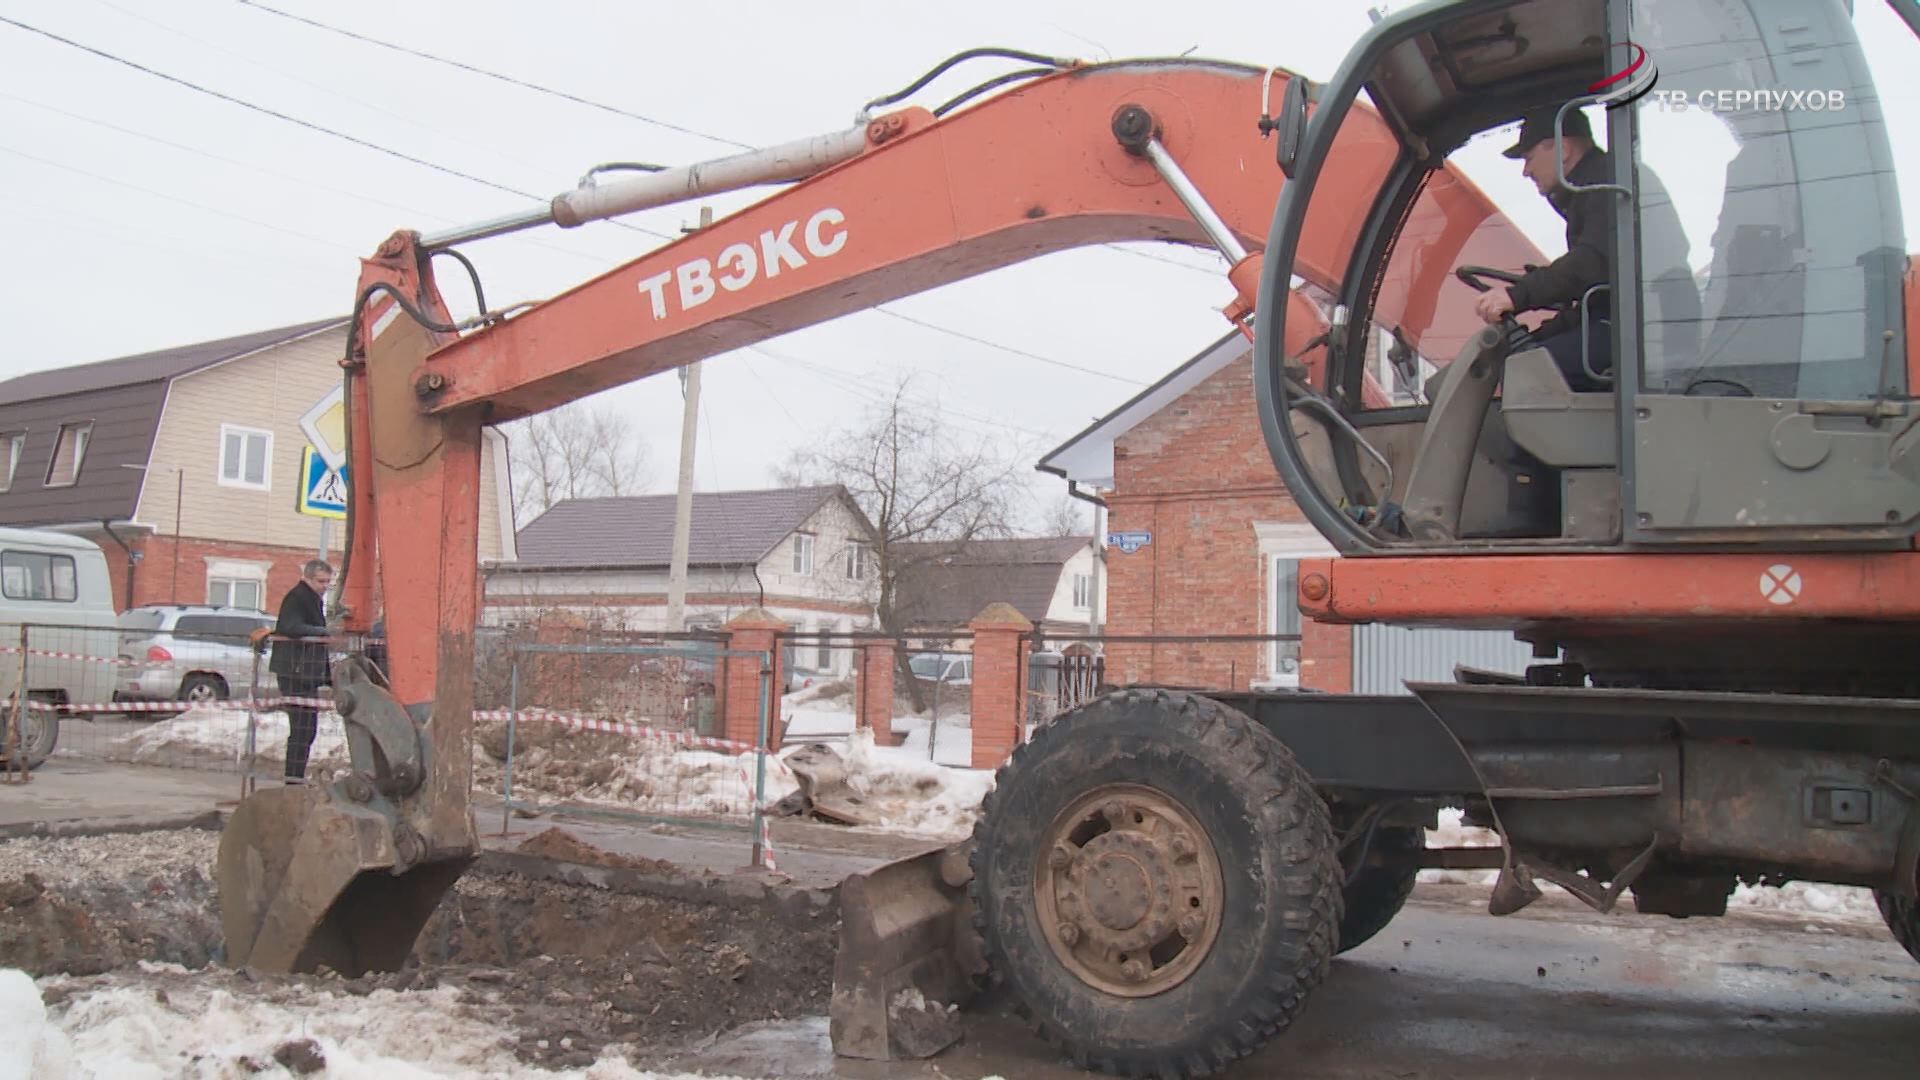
(177, 694)
(826, 675)
(628, 733)
(1067, 669)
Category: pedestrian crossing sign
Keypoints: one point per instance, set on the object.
(323, 489)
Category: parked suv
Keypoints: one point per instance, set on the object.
(188, 652)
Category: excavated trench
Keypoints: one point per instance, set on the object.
(564, 948)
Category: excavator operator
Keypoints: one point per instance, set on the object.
(1589, 257)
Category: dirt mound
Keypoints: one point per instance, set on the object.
(562, 970)
(562, 846)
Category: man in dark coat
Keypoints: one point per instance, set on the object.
(302, 664)
(1590, 249)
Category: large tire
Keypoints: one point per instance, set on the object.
(1903, 918)
(38, 735)
(1264, 937)
(1377, 893)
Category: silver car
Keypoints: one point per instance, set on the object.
(188, 652)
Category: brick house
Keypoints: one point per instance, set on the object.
(1189, 484)
(803, 554)
(186, 465)
(1049, 580)
(1182, 466)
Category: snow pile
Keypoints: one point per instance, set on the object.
(220, 735)
(652, 776)
(832, 722)
(122, 1027)
(30, 1046)
(1833, 903)
(1452, 833)
(909, 794)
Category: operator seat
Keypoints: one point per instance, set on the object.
(1549, 420)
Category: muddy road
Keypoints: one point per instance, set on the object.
(536, 964)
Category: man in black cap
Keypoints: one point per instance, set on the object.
(1590, 248)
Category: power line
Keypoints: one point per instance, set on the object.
(590, 103)
(178, 199)
(964, 336)
(308, 124)
(561, 94)
(262, 109)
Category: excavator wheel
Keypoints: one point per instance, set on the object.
(1377, 893)
(1156, 884)
(1903, 918)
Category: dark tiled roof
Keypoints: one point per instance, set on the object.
(729, 528)
(947, 584)
(148, 367)
(122, 400)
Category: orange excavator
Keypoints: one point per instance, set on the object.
(1708, 540)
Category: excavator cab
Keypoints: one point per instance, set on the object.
(1753, 388)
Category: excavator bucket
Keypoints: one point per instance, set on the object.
(342, 875)
(908, 960)
(308, 877)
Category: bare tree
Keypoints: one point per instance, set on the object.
(1065, 516)
(918, 481)
(575, 452)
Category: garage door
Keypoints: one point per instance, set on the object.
(1386, 658)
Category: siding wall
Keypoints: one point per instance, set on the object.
(1386, 658)
(268, 390)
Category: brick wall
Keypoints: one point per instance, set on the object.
(154, 578)
(1197, 476)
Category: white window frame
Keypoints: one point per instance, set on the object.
(1083, 592)
(234, 571)
(82, 433)
(1280, 542)
(803, 554)
(266, 468)
(16, 445)
(858, 556)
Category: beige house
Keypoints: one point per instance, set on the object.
(189, 466)
(802, 553)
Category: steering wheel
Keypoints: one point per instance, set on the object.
(1471, 276)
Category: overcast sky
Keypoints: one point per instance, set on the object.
(139, 214)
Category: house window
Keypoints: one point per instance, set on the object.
(859, 557)
(12, 445)
(234, 592)
(244, 453)
(803, 553)
(68, 454)
(1083, 591)
(31, 575)
(232, 583)
(1286, 619)
(823, 660)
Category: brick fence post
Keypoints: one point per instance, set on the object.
(752, 630)
(875, 709)
(999, 682)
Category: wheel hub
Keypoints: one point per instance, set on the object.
(1129, 890)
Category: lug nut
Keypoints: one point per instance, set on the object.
(1059, 858)
(1191, 926)
(1133, 971)
(1112, 810)
(1069, 934)
(1182, 846)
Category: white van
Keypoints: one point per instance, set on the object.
(56, 597)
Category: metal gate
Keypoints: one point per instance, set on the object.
(1386, 658)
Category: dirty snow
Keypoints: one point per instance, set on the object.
(824, 722)
(137, 1026)
(220, 735)
(908, 793)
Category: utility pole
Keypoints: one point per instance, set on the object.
(683, 500)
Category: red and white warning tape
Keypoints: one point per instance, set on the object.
(544, 716)
(117, 661)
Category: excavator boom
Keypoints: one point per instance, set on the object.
(1171, 151)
